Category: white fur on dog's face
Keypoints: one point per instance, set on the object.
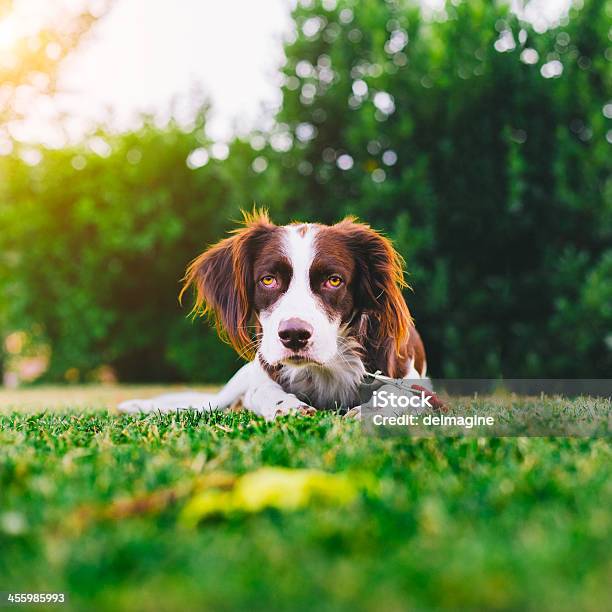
(299, 302)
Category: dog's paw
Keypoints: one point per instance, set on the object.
(291, 405)
(354, 413)
(303, 410)
(307, 410)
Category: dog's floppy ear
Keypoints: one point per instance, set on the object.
(379, 284)
(222, 278)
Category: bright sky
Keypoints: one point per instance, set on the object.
(145, 54)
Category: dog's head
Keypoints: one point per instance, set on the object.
(297, 292)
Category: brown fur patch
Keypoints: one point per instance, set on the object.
(223, 279)
(374, 283)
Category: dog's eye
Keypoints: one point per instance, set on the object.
(268, 281)
(334, 281)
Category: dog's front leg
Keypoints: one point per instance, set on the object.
(190, 400)
(269, 401)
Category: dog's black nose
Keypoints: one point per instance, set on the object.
(294, 333)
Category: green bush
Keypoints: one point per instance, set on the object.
(500, 196)
(92, 259)
(492, 180)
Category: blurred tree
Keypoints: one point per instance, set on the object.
(482, 148)
(478, 144)
(29, 66)
(98, 243)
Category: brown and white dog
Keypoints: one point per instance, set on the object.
(313, 306)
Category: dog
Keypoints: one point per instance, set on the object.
(314, 307)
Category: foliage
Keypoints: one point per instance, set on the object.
(98, 245)
(91, 505)
(492, 180)
(500, 195)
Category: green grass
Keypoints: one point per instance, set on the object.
(507, 523)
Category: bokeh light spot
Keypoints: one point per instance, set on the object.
(134, 156)
(99, 146)
(505, 42)
(304, 69)
(384, 102)
(379, 175)
(389, 158)
(78, 162)
(305, 132)
(197, 158)
(32, 157)
(551, 69)
(345, 162)
(258, 142)
(346, 15)
(305, 168)
(529, 56)
(219, 151)
(259, 164)
(281, 141)
(360, 88)
(312, 26)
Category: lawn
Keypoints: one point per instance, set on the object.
(112, 510)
